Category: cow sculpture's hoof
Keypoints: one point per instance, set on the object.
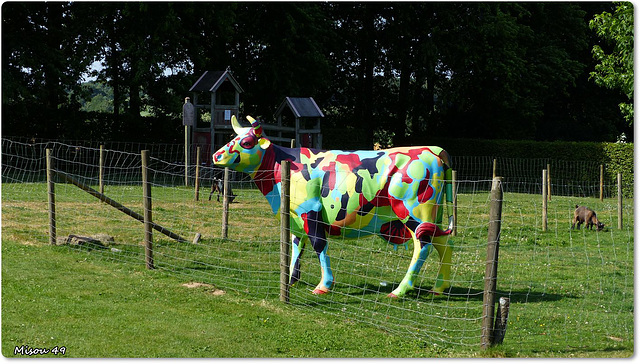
(322, 288)
(392, 295)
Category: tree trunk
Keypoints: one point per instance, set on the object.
(365, 112)
(400, 126)
(52, 69)
(134, 100)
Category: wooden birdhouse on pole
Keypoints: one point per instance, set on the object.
(216, 97)
(306, 115)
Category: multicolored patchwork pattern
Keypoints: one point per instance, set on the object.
(395, 193)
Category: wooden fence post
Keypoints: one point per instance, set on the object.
(285, 231)
(549, 181)
(51, 189)
(146, 198)
(502, 316)
(101, 170)
(544, 200)
(495, 163)
(620, 201)
(454, 185)
(491, 265)
(197, 182)
(225, 204)
(601, 182)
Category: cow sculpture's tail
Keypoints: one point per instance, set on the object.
(448, 189)
(428, 229)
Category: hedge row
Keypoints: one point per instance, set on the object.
(616, 157)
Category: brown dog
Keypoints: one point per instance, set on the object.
(586, 215)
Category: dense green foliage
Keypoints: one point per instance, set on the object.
(619, 159)
(99, 98)
(391, 70)
(602, 153)
(615, 69)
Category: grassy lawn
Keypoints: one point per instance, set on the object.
(95, 308)
(571, 291)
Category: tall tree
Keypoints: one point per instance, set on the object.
(141, 43)
(411, 59)
(46, 49)
(615, 69)
(287, 48)
(356, 55)
(504, 62)
(493, 70)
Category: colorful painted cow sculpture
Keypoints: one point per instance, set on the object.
(395, 193)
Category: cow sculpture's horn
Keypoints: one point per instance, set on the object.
(237, 128)
(257, 128)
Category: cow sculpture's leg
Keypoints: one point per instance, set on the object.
(444, 246)
(317, 236)
(297, 248)
(421, 250)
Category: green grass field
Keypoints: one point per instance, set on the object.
(571, 291)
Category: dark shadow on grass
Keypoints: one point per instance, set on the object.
(354, 293)
(586, 349)
(452, 294)
(468, 294)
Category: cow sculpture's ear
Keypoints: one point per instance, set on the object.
(264, 143)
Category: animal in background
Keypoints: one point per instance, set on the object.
(585, 215)
(217, 185)
(396, 193)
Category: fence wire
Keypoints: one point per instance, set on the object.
(565, 285)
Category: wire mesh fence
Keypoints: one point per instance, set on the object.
(565, 285)
(569, 178)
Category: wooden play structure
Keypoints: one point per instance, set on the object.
(216, 97)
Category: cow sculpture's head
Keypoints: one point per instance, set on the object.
(244, 152)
